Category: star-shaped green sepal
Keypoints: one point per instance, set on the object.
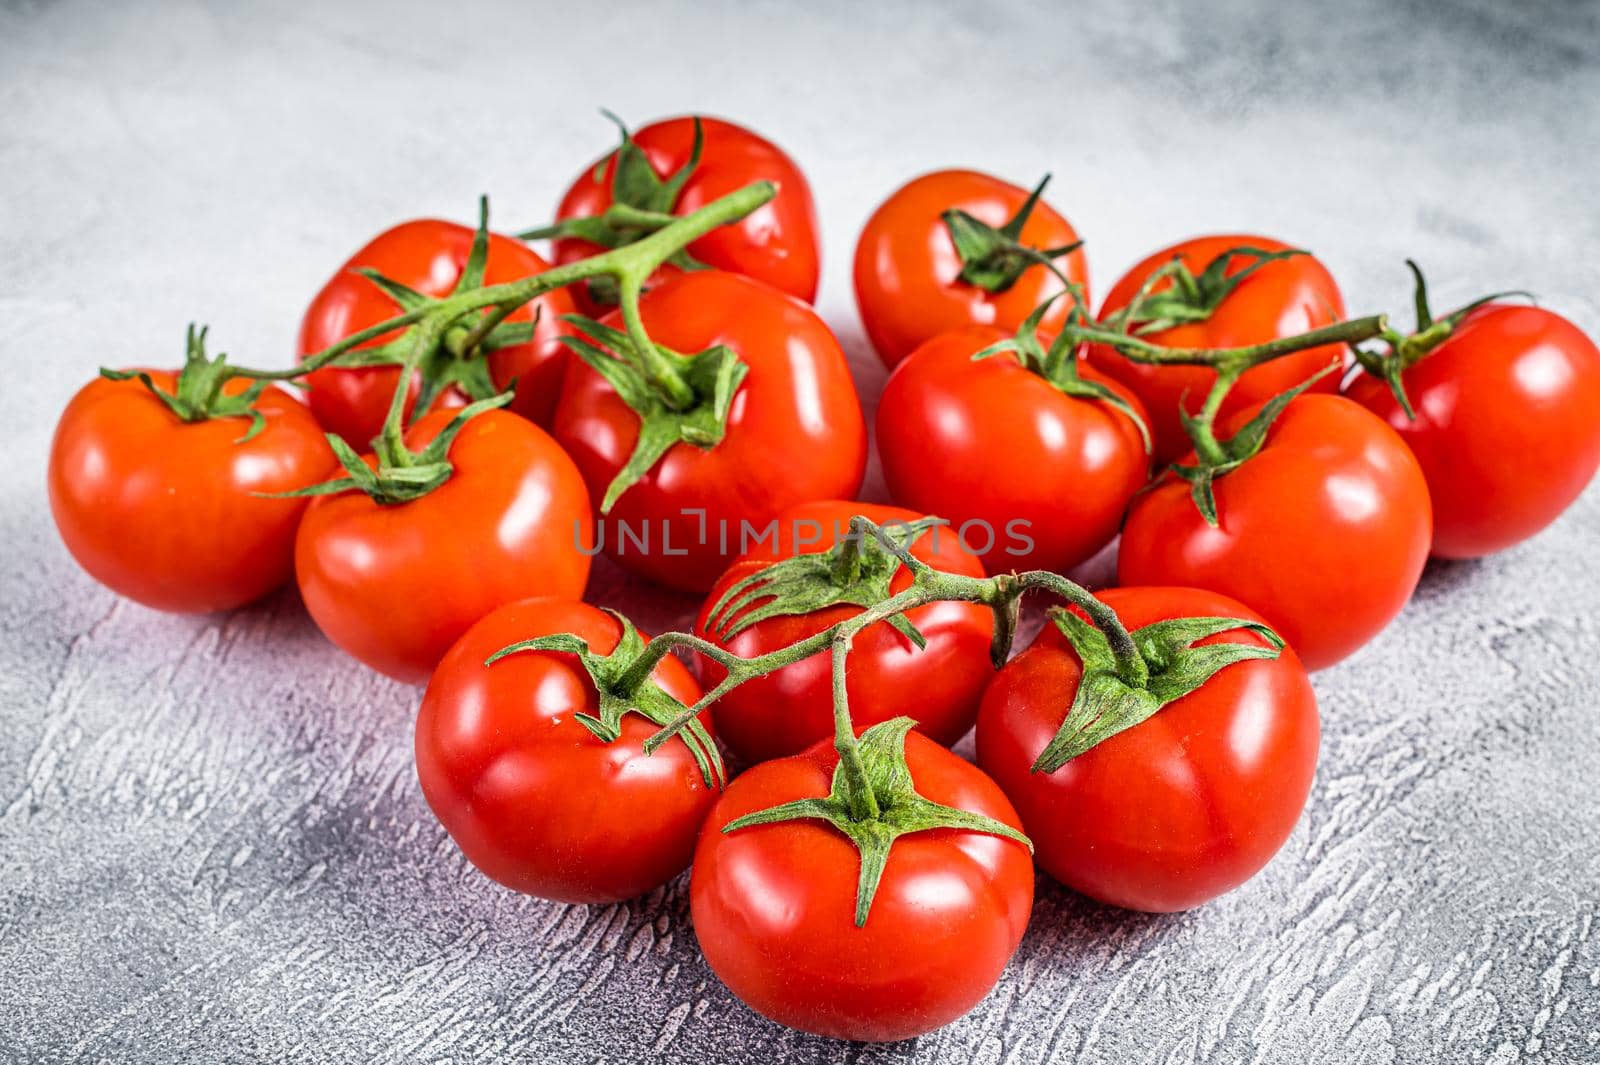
(994, 258)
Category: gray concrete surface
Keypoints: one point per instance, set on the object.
(212, 844)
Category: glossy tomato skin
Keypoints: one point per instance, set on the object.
(776, 243)
(164, 511)
(1324, 532)
(787, 711)
(1186, 805)
(530, 796)
(907, 269)
(794, 432)
(395, 585)
(1506, 429)
(1281, 299)
(427, 255)
(774, 905)
(992, 443)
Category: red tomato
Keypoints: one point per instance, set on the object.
(776, 243)
(1280, 299)
(794, 432)
(907, 267)
(529, 794)
(774, 905)
(166, 512)
(1325, 531)
(1506, 428)
(1182, 807)
(784, 712)
(395, 585)
(1043, 477)
(428, 256)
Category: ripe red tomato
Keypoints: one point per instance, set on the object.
(165, 511)
(907, 268)
(776, 243)
(1282, 298)
(1506, 429)
(427, 255)
(785, 712)
(1324, 532)
(794, 431)
(1043, 477)
(530, 795)
(396, 584)
(1180, 808)
(774, 905)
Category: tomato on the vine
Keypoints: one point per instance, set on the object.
(427, 256)
(395, 584)
(794, 430)
(773, 904)
(1279, 297)
(783, 712)
(777, 243)
(531, 796)
(173, 513)
(1183, 806)
(1324, 532)
(1507, 426)
(1031, 476)
(913, 280)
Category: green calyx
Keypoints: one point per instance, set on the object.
(401, 475)
(1058, 364)
(617, 694)
(1190, 297)
(1215, 457)
(1107, 702)
(198, 396)
(897, 809)
(994, 259)
(642, 201)
(857, 571)
(709, 379)
(453, 356)
(1404, 351)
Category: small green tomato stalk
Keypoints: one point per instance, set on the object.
(994, 258)
(1401, 351)
(873, 800)
(198, 395)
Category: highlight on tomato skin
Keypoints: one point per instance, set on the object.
(1278, 299)
(534, 799)
(773, 905)
(784, 712)
(169, 513)
(1505, 431)
(907, 267)
(1178, 809)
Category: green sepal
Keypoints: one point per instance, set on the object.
(1105, 704)
(1238, 448)
(648, 699)
(387, 485)
(856, 571)
(198, 395)
(901, 810)
(1404, 351)
(713, 377)
(1058, 364)
(993, 258)
(1190, 298)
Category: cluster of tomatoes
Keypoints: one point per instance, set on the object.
(1200, 415)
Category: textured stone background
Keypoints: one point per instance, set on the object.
(212, 845)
